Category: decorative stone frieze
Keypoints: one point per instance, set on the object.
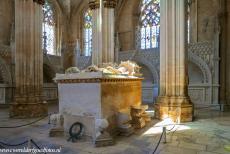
(98, 80)
(5, 73)
(110, 3)
(41, 2)
(94, 4)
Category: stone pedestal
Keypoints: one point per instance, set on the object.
(178, 109)
(25, 110)
(56, 132)
(173, 101)
(28, 60)
(104, 140)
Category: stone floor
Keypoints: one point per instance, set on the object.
(208, 134)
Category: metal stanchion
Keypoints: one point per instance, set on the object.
(29, 143)
(164, 135)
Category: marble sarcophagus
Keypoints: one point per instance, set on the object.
(88, 96)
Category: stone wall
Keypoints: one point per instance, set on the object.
(6, 21)
(128, 17)
(204, 20)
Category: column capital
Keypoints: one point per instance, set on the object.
(110, 3)
(94, 4)
(41, 2)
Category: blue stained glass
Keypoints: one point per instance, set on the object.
(150, 23)
(88, 33)
(48, 29)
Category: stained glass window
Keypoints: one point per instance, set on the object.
(188, 20)
(48, 29)
(150, 24)
(88, 33)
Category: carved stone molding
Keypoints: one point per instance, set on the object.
(110, 3)
(197, 95)
(41, 2)
(204, 50)
(5, 51)
(5, 72)
(98, 80)
(94, 4)
(207, 76)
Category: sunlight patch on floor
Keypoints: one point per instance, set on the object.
(168, 123)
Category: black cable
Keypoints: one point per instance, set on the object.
(34, 143)
(13, 145)
(2, 147)
(174, 125)
(19, 144)
(158, 143)
(169, 130)
(173, 133)
(25, 124)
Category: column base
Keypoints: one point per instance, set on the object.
(178, 109)
(28, 110)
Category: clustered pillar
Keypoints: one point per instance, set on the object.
(103, 31)
(28, 60)
(173, 101)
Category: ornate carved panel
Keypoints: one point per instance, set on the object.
(2, 95)
(197, 95)
(5, 72)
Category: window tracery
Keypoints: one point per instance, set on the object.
(48, 29)
(150, 24)
(87, 34)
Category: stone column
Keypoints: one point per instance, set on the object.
(28, 60)
(103, 31)
(108, 31)
(173, 100)
(97, 32)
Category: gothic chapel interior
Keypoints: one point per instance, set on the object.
(115, 76)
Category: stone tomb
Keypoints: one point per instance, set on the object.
(86, 97)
